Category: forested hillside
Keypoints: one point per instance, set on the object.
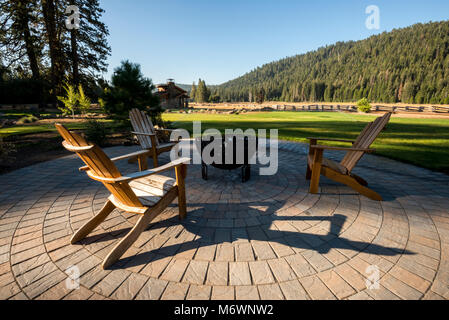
(408, 65)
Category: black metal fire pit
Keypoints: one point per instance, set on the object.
(229, 144)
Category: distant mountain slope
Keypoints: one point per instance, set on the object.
(406, 65)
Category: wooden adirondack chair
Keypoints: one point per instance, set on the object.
(342, 172)
(146, 134)
(144, 193)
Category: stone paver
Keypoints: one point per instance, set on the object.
(265, 239)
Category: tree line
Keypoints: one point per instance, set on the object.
(201, 93)
(38, 53)
(409, 65)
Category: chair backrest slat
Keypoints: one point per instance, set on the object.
(142, 123)
(101, 166)
(364, 141)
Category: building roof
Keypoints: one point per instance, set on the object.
(166, 85)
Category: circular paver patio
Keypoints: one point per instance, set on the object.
(265, 239)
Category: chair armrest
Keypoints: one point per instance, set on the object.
(341, 148)
(331, 139)
(143, 134)
(124, 157)
(142, 174)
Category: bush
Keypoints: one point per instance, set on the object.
(363, 105)
(130, 89)
(6, 149)
(96, 132)
(27, 119)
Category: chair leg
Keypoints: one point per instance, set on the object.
(93, 223)
(127, 241)
(155, 160)
(143, 163)
(308, 172)
(181, 173)
(311, 155)
(360, 180)
(140, 227)
(316, 171)
(353, 184)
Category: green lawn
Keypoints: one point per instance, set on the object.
(38, 128)
(423, 142)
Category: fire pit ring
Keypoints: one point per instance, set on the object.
(227, 144)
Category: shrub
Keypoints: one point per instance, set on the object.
(83, 101)
(70, 101)
(363, 105)
(27, 119)
(6, 149)
(130, 89)
(96, 132)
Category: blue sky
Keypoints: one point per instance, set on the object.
(221, 40)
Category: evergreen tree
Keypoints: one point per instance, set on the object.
(193, 91)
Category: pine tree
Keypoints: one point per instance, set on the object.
(21, 34)
(193, 91)
(89, 47)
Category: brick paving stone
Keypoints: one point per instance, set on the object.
(155, 267)
(79, 294)
(411, 279)
(432, 296)
(246, 293)
(244, 252)
(175, 291)
(316, 289)
(9, 290)
(336, 284)
(111, 282)
(35, 274)
(175, 270)
(381, 293)
(130, 287)
(261, 272)
(206, 252)
(300, 265)
(262, 250)
(199, 292)
(318, 261)
(57, 292)
(360, 296)
(351, 276)
(293, 290)
(225, 252)
(40, 286)
(281, 270)
(152, 290)
(223, 293)
(400, 289)
(196, 272)
(270, 292)
(217, 274)
(239, 274)
(19, 297)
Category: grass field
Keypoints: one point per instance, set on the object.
(423, 142)
(48, 127)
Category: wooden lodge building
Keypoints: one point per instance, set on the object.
(171, 96)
